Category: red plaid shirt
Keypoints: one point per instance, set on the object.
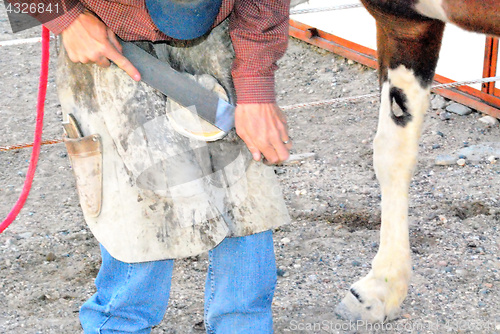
(258, 28)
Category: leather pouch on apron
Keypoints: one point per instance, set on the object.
(85, 154)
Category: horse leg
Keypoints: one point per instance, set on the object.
(408, 51)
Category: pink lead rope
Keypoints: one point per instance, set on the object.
(42, 90)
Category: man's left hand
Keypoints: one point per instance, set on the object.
(263, 128)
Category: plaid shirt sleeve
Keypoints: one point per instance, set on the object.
(259, 30)
(72, 9)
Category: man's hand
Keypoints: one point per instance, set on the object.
(263, 128)
(89, 40)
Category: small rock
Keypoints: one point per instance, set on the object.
(461, 162)
(444, 160)
(442, 263)
(429, 272)
(492, 159)
(489, 120)
(312, 277)
(448, 269)
(431, 216)
(438, 102)
(280, 272)
(199, 326)
(279, 171)
(51, 257)
(480, 152)
(442, 219)
(301, 156)
(436, 146)
(459, 109)
(444, 115)
(285, 241)
(25, 235)
(356, 263)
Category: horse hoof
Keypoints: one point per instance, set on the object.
(356, 307)
(345, 313)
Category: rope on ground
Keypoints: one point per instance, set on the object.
(20, 146)
(466, 82)
(366, 96)
(300, 105)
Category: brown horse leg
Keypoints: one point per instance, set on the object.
(408, 52)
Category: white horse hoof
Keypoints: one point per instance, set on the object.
(355, 307)
(373, 300)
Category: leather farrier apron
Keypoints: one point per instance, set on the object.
(146, 191)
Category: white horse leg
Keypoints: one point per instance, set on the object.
(379, 294)
(407, 65)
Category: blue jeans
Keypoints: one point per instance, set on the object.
(133, 297)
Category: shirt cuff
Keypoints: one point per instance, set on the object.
(255, 89)
(59, 24)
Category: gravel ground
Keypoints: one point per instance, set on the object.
(48, 257)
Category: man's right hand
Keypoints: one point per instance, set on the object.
(89, 40)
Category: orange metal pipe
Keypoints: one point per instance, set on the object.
(469, 91)
(337, 45)
(490, 64)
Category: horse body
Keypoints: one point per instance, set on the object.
(409, 34)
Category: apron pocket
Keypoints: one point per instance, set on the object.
(85, 154)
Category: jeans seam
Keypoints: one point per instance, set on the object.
(115, 296)
(210, 274)
(270, 295)
(103, 323)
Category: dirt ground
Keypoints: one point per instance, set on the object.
(48, 257)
